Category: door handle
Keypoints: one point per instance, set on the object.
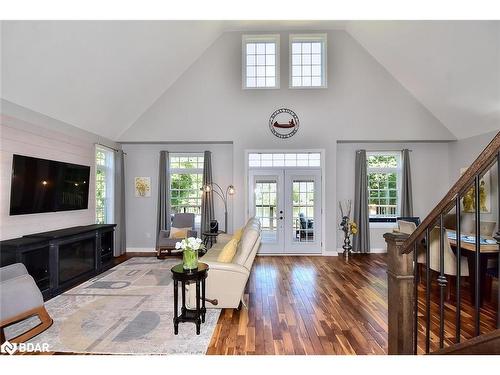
(281, 211)
(281, 217)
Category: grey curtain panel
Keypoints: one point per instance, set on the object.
(163, 211)
(361, 241)
(207, 199)
(406, 190)
(119, 203)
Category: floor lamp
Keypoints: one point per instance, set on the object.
(222, 194)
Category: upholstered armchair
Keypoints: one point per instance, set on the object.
(165, 243)
(20, 299)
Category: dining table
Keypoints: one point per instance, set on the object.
(488, 249)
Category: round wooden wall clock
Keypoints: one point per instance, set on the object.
(284, 123)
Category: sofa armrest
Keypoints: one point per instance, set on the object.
(225, 284)
(227, 267)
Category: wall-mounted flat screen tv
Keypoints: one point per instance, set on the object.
(40, 185)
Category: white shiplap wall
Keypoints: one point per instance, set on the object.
(45, 138)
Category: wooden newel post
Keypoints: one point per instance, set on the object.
(400, 295)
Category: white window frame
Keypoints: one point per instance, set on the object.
(265, 38)
(186, 171)
(322, 168)
(397, 170)
(109, 173)
(284, 159)
(321, 38)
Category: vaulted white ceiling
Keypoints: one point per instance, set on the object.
(452, 68)
(102, 75)
(97, 75)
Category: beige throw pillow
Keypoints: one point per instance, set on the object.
(238, 233)
(227, 253)
(178, 233)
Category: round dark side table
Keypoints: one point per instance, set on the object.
(197, 276)
(210, 237)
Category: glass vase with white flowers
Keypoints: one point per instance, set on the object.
(190, 247)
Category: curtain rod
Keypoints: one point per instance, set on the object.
(111, 148)
(186, 152)
(385, 150)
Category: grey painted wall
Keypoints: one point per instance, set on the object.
(435, 168)
(142, 160)
(464, 151)
(362, 101)
(462, 154)
(26, 132)
(430, 178)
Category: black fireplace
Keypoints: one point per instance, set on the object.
(76, 259)
(36, 261)
(60, 259)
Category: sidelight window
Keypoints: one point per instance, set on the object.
(104, 185)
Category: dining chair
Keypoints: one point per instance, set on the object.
(408, 227)
(413, 219)
(449, 257)
(491, 273)
(487, 227)
(468, 224)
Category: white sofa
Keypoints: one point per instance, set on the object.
(226, 281)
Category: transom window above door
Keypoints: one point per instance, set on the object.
(307, 60)
(260, 56)
(288, 159)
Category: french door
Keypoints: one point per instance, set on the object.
(288, 204)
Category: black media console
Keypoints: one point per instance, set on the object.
(62, 258)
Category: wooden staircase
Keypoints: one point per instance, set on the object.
(409, 329)
(488, 343)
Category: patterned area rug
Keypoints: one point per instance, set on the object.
(126, 310)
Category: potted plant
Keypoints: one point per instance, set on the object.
(190, 247)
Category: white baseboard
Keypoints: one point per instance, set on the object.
(290, 255)
(330, 253)
(140, 250)
(372, 251)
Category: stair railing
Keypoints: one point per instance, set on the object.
(402, 270)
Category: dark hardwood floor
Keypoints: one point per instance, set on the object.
(309, 305)
(325, 305)
(488, 315)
